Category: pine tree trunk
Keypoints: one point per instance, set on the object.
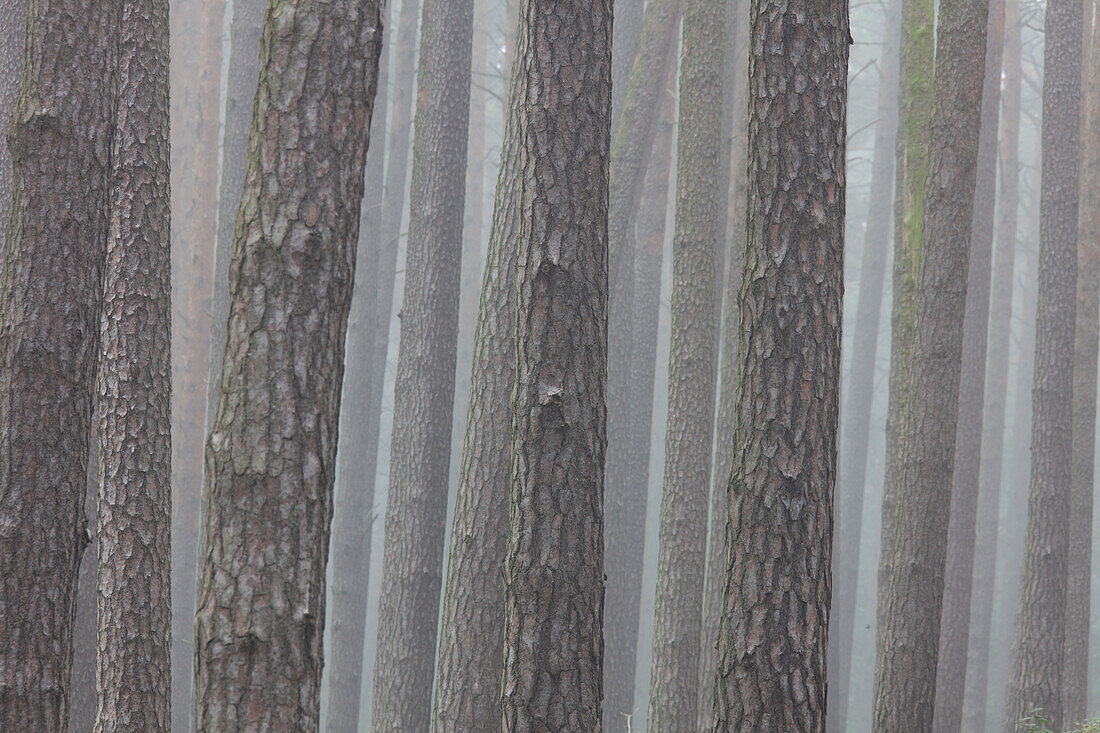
(1040, 626)
(693, 371)
(11, 71)
(1086, 341)
(416, 505)
(776, 597)
(353, 517)
(59, 138)
(271, 454)
(958, 571)
(133, 666)
(553, 569)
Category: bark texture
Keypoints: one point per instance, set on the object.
(1040, 623)
(271, 455)
(134, 614)
(60, 141)
(416, 505)
(11, 68)
(693, 372)
(965, 487)
(553, 569)
(772, 642)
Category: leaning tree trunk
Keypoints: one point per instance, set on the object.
(784, 467)
(416, 506)
(553, 568)
(682, 553)
(958, 571)
(271, 454)
(1086, 341)
(1040, 625)
(60, 139)
(133, 666)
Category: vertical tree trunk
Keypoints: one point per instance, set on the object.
(1040, 626)
(352, 519)
(82, 692)
(271, 455)
(133, 667)
(11, 71)
(993, 424)
(59, 139)
(416, 506)
(553, 569)
(195, 80)
(682, 553)
(958, 571)
(1086, 341)
(776, 597)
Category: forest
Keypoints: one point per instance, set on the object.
(549, 365)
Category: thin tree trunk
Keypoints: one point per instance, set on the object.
(271, 455)
(1040, 626)
(693, 371)
(855, 436)
(82, 692)
(976, 697)
(353, 518)
(1086, 341)
(133, 666)
(51, 290)
(776, 597)
(958, 572)
(416, 505)
(553, 569)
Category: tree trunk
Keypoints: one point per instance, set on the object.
(133, 666)
(553, 568)
(776, 597)
(693, 371)
(958, 572)
(353, 517)
(1040, 626)
(625, 39)
(271, 454)
(195, 80)
(82, 692)
(11, 71)
(416, 505)
(59, 138)
(996, 385)
(1086, 341)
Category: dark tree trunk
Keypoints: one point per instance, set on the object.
(1040, 625)
(776, 597)
(693, 371)
(133, 666)
(416, 505)
(958, 572)
(271, 454)
(855, 436)
(11, 70)
(60, 140)
(553, 569)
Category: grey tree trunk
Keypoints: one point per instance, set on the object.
(553, 569)
(11, 71)
(272, 452)
(60, 137)
(133, 665)
(776, 597)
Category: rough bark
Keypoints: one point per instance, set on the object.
(195, 80)
(271, 454)
(11, 68)
(1040, 625)
(693, 372)
(553, 569)
(855, 436)
(996, 384)
(1086, 341)
(60, 141)
(772, 642)
(133, 665)
(965, 487)
(471, 638)
(353, 517)
(416, 505)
